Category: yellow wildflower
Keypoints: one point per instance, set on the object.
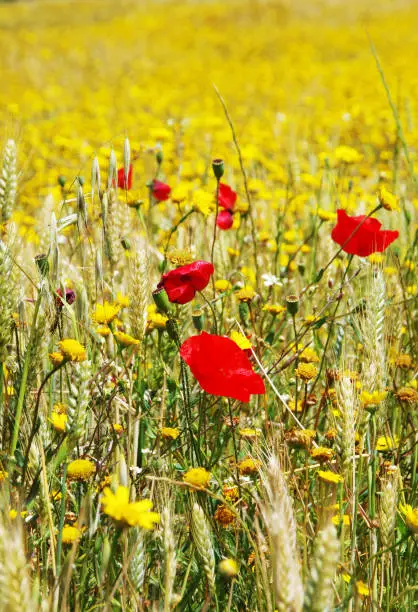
(199, 477)
(246, 294)
(344, 519)
(56, 358)
(105, 313)
(410, 515)
(250, 434)
(362, 588)
(230, 492)
(125, 339)
(170, 433)
(14, 513)
(70, 534)
(249, 466)
(347, 155)
(180, 257)
(222, 285)
(384, 443)
(407, 394)
(80, 469)
(224, 516)
(122, 300)
(330, 477)
(240, 340)
(322, 453)
(404, 361)
(232, 252)
(138, 514)
(72, 350)
(228, 567)
(103, 330)
(387, 199)
(306, 371)
(326, 215)
(3, 475)
(59, 421)
(308, 355)
(372, 399)
(274, 309)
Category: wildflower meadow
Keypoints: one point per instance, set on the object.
(208, 305)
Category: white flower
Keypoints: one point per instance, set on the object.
(270, 280)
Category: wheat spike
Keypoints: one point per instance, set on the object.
(8, 181)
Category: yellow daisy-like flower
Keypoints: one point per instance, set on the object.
(230, 492)
(249, 466)
(410, 515)
(385, 443)
(246, 294)
(375, 258)
(228, 567)
(224, 516)
(170, 433)
(326, 215)
(180, 257)
(103, 330)
(362, 588)
(56, 358)
(372, 399)
(330, 477)
(240, 340)
(387, 199)
(232, 252)
(3, 475)
(199, 477)
(72, 350)
(347, 155)
(60, 408)
(222, 285)
(308, 355)
(70, 534)
(59, 421)
(322, 453)
(306, 371)
(250, 434)
(274, 309)
(125, 339)
(404, 361)
(117, 428)
(122, 300)
(138, 514)
(105, 313)
(407, 394)
(155, 320)
(80, 469)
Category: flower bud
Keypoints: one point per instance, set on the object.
(228, 568)
(62, 180)
(292, 304)
(126, 243)
(159, 156)
(198, 319)
(244, 311)
(161, 300)
(218, 168)
(42, 264)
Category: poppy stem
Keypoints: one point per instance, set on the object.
(234, 443)
(212, 252)
(215, 324)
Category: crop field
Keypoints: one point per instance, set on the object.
(208, 306)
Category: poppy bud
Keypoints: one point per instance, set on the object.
(198, 319)
(62, 180)
(80, 180)
(292, 304)
(159, 157)
(161, 300)
(218, 168)
(42, 264)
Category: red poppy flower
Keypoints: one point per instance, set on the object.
(182, 283)
(122, 183)
(221, 367)
(224, 220)
(160, 191)
(227, 197)
(361, 235)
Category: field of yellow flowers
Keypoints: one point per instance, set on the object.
(208, 302)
